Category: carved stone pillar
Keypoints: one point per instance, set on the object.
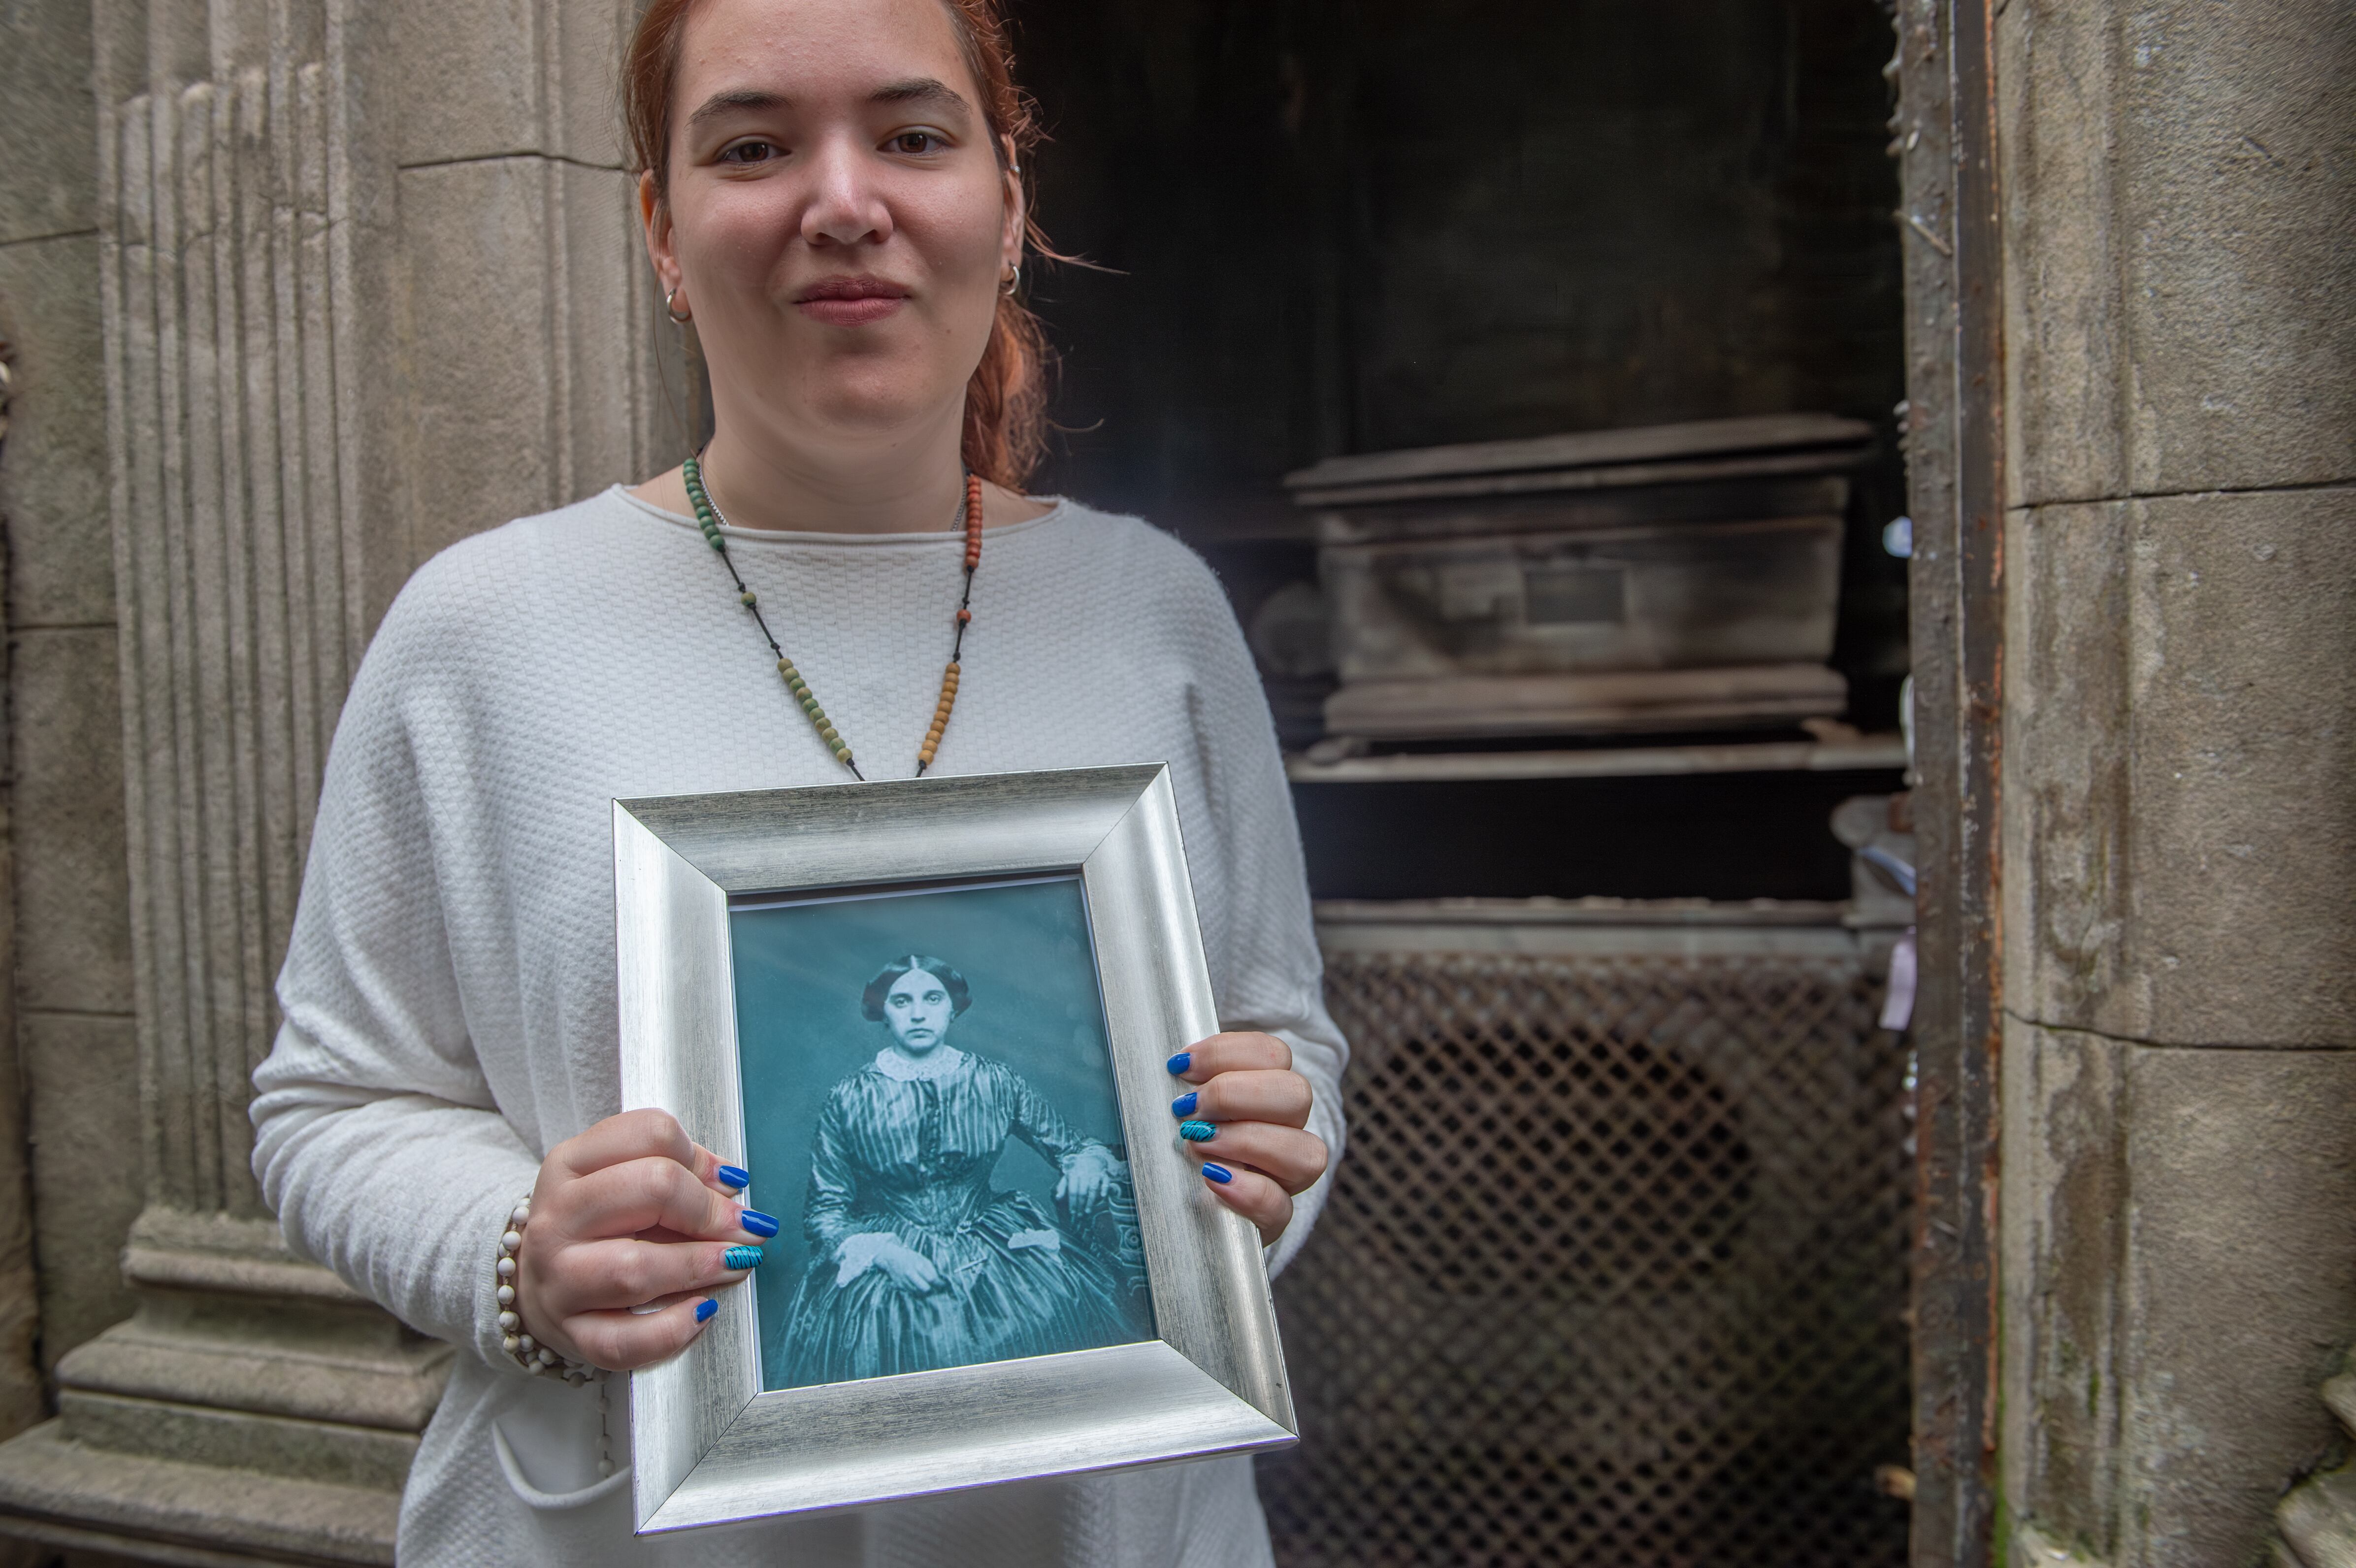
(357, 304)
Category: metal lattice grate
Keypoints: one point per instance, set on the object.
(1614, 1272)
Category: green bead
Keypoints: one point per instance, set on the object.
(785, 668)
(719, 543)
(747, 597)
(828, 731)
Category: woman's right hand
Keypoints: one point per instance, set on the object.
(631, 1212)
(910, 1269)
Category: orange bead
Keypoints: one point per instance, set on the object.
(965, 617)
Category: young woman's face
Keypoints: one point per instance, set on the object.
(838, 217)
(917, 1009)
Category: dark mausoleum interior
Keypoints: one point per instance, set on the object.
(1343, 226)
(1312, 229)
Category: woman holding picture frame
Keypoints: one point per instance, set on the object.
(849, 582)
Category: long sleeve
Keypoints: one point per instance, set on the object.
(378, 1140)
(826, 1209)
(1251, 884)
(1040, 1125)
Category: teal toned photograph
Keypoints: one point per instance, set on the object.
(929, 1072)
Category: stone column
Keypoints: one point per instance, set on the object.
(2179, 760)
(369, 280)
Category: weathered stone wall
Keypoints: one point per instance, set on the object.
(76, 1054)
(300, 293)
(2180, 767)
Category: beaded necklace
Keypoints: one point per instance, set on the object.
(709, 518)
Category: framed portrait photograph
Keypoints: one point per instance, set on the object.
(932, 1017)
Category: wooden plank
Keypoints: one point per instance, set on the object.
(1868, 752)
(1945, 136)
(1587, 449)
(1540, 481)
(1444, 707)
(1612, 913)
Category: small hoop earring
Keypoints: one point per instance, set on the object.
(1012, 283)
(676, 318)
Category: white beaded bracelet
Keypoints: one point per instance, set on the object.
(529, 1354)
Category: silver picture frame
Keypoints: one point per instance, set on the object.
(710, 1446)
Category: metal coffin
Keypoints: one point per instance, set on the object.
(1673, 576)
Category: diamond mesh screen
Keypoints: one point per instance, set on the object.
(1614, 1272)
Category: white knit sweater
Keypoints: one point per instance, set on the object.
(449, 989)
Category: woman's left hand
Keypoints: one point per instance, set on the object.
(1258, 1156)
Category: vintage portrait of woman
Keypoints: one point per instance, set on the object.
(917, 1260)
(850, 581)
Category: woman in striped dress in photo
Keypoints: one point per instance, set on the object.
(916, 1259)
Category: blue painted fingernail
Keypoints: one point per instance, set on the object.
(1180, 1063)
(705, 1308)
(736, 1178)
(758, 1223)
(1184, 1104)
(742, 1258)
(1197, 1131)
(1219, 1174)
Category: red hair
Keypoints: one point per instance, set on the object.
(1006, 400)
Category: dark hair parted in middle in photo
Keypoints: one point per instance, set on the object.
(871, 1003)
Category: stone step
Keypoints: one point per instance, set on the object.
(332, 1452)
(164, 1510)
